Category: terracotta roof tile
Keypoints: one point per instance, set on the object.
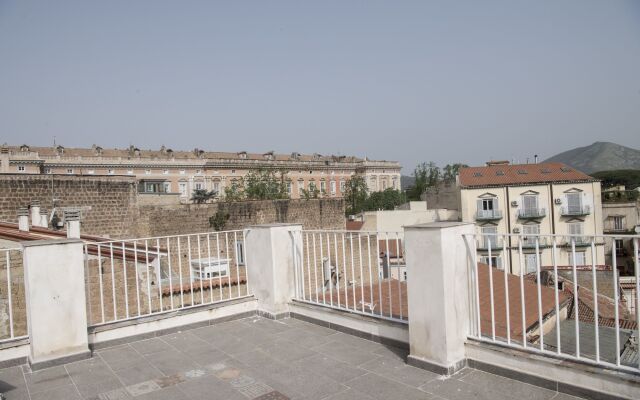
(517, 174)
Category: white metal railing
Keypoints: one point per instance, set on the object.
(359, 272)
(488, 214)
(524, 213)
(132, 278)
(13, 324)
(575, 210)
(559, 299)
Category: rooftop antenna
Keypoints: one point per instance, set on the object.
(54, 141)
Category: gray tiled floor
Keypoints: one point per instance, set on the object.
(256, 358)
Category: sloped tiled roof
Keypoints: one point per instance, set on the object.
(518, 174)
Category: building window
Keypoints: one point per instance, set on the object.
(300, 186)
(198, 185)
(581, 258)
(21, 168)
(343, 186)
(574, 203)
(384, 185)
(333, 187)
(618, 223)
(619, 247)
(233, 171)
(289, 188)
(323, 186)
(530, 204)
(91, 172)
(167, 187)
(47, 171)
(198, 171)
(182, 187)
(130, 172)
(531, 233)
(216, 187)
(147, 172)
(182, 172)
(111, 172)
(312, 186)
(165, 172)
(496, 261)
(70, 171)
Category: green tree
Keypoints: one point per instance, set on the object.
(388, 199)
(450, 171)
(218, 220)
(258, 184)
(355, 196)
(201, 196)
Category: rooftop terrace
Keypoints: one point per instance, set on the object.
(256, 358)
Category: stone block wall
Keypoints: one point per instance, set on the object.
(108, 204)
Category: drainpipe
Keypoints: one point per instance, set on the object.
(72, 219)
(23, 219)
(508, 212)
(35, 213)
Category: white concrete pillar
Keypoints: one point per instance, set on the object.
(270, 264)
(437, 287)
(56, 304)
(44, 219)
(35, 214)
(23, 219)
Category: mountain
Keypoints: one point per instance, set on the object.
(600, 156)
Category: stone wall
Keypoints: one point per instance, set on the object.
(191, 218)
(109, 204)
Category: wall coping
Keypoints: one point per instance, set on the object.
(50, 242)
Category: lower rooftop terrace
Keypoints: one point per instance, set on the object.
(275, 312)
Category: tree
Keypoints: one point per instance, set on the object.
(355, 195)
(426, 175)
(258, 184)
(450, 171)
(388, 199)
(201, 196)
(218, 220)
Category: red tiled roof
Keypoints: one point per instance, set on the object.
(517, 174)
(515, 304)
(354, 225)
(395, 249)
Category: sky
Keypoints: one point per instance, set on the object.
(410, 81)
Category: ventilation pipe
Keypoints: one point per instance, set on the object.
(535, 157)
(72, 219)
(23, 219)
(35, 213)
(44, 219)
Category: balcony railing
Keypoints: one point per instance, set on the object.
(490, 242)
(575, 210)
(488, 215)
(527, 213)
(529, 242)
(359, 272)
(502, 313)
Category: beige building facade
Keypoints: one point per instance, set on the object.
(528, 202)
(168, 171)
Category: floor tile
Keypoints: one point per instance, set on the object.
(47, 379)
(382, 388)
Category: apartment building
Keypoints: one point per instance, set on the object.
(531, 200)
(621, 218)
(169, 171)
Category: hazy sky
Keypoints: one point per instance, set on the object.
(401, 80)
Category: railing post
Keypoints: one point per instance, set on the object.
(271, 253)
(56, 303)
(437, 287)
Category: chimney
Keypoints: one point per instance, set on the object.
(35, 213)
(23, 219)
(535, 158)
(72, 218)
(44, 219)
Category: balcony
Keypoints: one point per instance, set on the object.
(580, 241)
(485, 243)
(488, 215)
(575, 211)
(529, 242)
(532, 213)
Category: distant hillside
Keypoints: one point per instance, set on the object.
(630, 178)
(600, 156)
